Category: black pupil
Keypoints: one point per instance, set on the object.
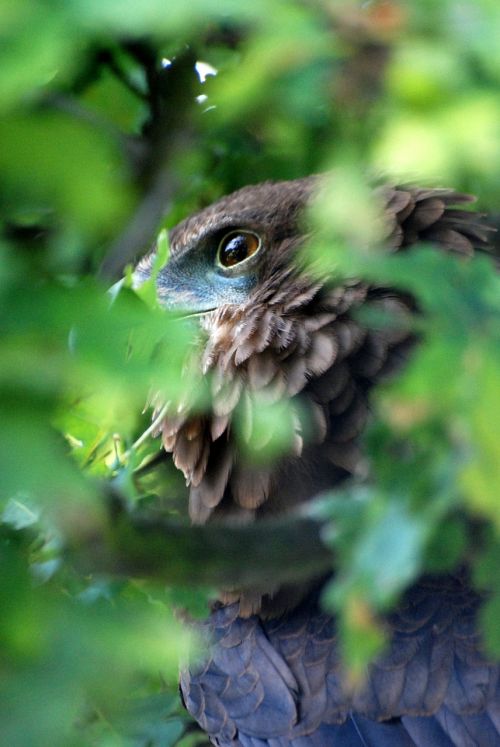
(236, 250)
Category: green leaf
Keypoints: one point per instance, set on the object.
(147, 290)
(50, 160)
(20, 513)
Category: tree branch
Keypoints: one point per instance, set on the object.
(167, 133)
(134, 544)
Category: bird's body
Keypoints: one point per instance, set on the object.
(270, 331)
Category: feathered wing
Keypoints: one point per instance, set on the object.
(280, 682)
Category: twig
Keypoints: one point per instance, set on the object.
(142, 228)
(171, 98)
(147, 433)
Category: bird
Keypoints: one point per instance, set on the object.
(272, 330)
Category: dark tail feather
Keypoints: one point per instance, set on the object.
(445, 730)
(355, 732)
(385, 734)
(475, 729)
(426, 731)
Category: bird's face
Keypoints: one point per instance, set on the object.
(237, 252)
(219, 268)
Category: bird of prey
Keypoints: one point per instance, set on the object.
(272, 330)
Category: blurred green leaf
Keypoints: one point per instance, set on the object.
(37, 41)
(147, 289)
(480, 476)
(49, 160)
(19, 513)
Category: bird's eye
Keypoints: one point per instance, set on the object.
(236, 247)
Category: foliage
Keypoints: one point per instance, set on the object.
(108, 135)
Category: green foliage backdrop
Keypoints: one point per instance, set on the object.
(109, 132)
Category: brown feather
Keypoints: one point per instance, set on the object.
(329, 386)
(208, 493)
(346, 455)
(200, 468)
(323, 352)
(350, 424)
(318, 422)
(295, 372)
(425, 214)
(218, 425)
(250, 486)
(453, 240)
(187, 452)
(226, 399)
(369, 360)
(261, 369)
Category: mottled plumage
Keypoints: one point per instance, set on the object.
(269, 330)
(275, 682)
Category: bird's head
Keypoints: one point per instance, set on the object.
(238, 251)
